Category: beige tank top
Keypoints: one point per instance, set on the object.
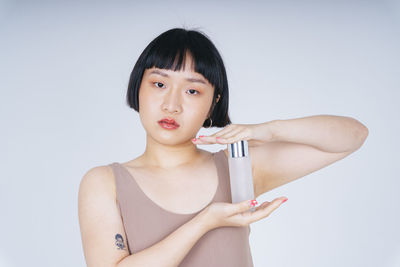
(146, 223)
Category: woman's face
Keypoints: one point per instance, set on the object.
(184, 96)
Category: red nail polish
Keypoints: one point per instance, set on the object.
(284, 200)
(201, 135)
(194, 139)
(254, 202)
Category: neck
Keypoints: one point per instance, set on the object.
(170, 156)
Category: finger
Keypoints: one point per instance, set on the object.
(227, 129)
(204, 140)
(261, 211)
(240, 136)
(240, 206)
(266, 210)
(209, 139)
(197, 141)
(260, 207)
(231, 133)
(249, 211)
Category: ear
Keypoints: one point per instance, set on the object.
(218, 98)
(209, 112)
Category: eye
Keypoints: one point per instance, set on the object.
(158, 83)
(195, 91)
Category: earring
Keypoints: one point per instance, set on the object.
(210, 123)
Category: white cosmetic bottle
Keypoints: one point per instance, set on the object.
(240, 172)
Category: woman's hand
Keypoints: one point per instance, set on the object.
(219, 214)
(255, 134)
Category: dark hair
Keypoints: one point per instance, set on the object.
(171, 47)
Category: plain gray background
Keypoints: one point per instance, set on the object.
(64, 71)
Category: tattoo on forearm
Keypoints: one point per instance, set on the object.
(119, 241)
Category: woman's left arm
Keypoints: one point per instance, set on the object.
(284, 150)
(327, 133)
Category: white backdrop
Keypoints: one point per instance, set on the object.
(64, 71)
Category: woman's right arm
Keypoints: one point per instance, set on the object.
(100, 221)
(171, 250)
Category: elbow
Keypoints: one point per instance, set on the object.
(361, 134)
(364, 132)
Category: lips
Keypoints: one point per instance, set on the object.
(169, 121)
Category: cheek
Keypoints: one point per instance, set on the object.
(147, 106)
(147, 99)
(196, 112)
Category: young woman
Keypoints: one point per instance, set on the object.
(172, 206)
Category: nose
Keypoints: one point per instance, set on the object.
(171, 103)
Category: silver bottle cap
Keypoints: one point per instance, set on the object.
(238, 149)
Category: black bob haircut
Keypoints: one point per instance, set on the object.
(171, 47)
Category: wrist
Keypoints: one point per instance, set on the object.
(201, 222)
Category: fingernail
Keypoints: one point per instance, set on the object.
(284, 200)
(194, 139)
(253, 202)
(218, 137)
(201, 136)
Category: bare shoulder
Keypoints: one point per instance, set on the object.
(102, 230)
(99, 179)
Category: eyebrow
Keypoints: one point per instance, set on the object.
(188, 78)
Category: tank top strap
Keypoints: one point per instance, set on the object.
(121, 178)
(125, 185)
(122, 191)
